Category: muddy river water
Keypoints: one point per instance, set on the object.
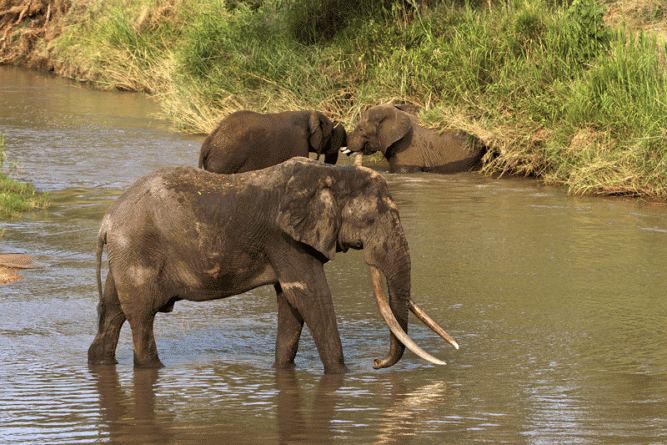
(559, 304)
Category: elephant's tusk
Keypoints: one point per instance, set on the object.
(387, 314)
(345, 150)
(431, 324)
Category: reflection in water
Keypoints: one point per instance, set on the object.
(300, 421)
(398, 422)
(129, 419)
(557, 302)
(309, 409)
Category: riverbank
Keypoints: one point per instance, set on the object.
(570, 95)
(16, 197)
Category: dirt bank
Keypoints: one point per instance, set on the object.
(27, 28)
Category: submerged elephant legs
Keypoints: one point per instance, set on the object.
(143, 341)
(111, 318)
(299, 301)
(307, 301)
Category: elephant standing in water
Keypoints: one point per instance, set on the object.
(245, 140)
(184, 233)
(410, 147)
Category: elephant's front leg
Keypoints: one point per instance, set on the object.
(290, 324)
(305, 288)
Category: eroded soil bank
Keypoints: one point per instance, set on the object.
(27, 28)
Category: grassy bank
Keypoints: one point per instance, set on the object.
(16, 197)
(563, 92)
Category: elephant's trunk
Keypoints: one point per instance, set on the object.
(399, 337)
(354, 142)
(395, 308)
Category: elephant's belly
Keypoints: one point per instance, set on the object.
(218, 283)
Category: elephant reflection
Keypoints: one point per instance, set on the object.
(326, 406)
(293, 424)
(130, 419)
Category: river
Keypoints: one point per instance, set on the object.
(558, 304)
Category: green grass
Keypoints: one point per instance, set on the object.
(552, 90)
(16, 197)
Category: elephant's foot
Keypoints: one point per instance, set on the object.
(100, 353)
(284, 365)
(151, 363)
(101, 360)
(337, 368)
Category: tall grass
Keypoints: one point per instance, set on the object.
(552, 90)
(121, 44)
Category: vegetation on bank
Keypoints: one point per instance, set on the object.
(556, 90)
(16, 197)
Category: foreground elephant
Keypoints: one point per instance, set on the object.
(410, 147)
(184, 233)
(246, 141)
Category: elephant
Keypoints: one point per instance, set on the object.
(246, 140)
(409, 147)
(183, 233)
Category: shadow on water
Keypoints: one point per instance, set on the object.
(557, 302)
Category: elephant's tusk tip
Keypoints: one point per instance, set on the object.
(456, 345)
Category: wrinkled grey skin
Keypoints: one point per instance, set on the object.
(187, 234)
(410, 147)
(246, 140)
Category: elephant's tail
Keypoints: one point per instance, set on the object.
(101, 241)
(203, 154)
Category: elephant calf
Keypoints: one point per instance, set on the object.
(245, 140)
(409, 147)
(187, 234)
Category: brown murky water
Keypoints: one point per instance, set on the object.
(558, 303)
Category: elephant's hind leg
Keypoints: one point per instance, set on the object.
(143, 341)
(111, 318)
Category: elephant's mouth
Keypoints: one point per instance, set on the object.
(392, 323)
(364, 150)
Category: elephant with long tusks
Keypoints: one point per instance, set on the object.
(187, 234)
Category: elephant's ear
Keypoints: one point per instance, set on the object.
(308, 211)
(393, 127)
(320, 131)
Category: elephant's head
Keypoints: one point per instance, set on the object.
(341, 208)
(325, 139)
(378, 129)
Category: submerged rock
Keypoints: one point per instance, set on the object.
(11, 262)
